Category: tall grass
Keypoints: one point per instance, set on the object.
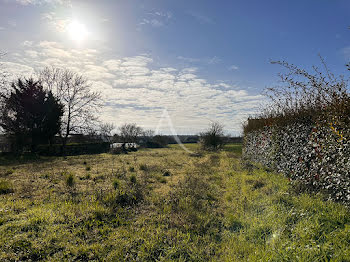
(210, 209)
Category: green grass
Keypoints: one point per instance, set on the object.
(5, 187)
(235, 148)
(124, 209)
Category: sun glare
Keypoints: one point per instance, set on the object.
(77, 31)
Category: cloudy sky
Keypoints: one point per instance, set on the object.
(201, 60)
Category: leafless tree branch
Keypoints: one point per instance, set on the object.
(81, 104)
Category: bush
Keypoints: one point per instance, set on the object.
(304, 132)
(117, 151)
(213, 138)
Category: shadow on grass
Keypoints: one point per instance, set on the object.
(8, 159)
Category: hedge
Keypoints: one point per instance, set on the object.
(318, 155)
(73, 149)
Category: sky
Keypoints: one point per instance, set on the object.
(180, 64)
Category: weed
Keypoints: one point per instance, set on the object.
(143, 167)
(256, 184)
(98, 178)
(133, 179)
(45, 176)
(116, 184)
(203, 213)
(162, 180)
(5, 187)
(88, 168)
(70, 180)
(125, 195)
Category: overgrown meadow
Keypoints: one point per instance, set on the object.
(163, 205)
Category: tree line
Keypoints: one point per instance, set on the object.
(60, 102)
(54, 102)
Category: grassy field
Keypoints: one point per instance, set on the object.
(163, 205)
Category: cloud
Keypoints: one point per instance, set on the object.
(188, 59)
(27, 43)
(152, 22)
(214, 60)
(346, 52)
(210, 61)
(40, 2)
(32, 53)
(52, 49)
(137, 90)
(16, 70)
(12, 23)
(233, 67)
(156, 19)
(202, 19)
(112, 64)
(58, 23)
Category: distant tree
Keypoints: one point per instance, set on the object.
(213, 138)
(116, 138)
(130, 132)
(80, 103)
(160, 140)
(148, 133)
(106, 131)
(30, 114)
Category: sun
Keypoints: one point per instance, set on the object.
(77, 31)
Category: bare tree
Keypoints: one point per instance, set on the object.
(302, 90)
(304, 95)
(148, 133)
(106, 131)
(73, 90)
(130, 132)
